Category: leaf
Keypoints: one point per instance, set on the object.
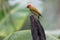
(12, 21)
(18, 20)
(26, 35)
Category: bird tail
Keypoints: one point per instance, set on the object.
(39, 16)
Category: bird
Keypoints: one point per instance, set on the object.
(34, 10)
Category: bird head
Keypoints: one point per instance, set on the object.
(29, 5)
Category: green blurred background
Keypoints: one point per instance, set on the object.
(14, 16)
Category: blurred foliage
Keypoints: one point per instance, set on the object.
(26, 35)
(13, 18)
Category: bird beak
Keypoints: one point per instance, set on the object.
(27, 6)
